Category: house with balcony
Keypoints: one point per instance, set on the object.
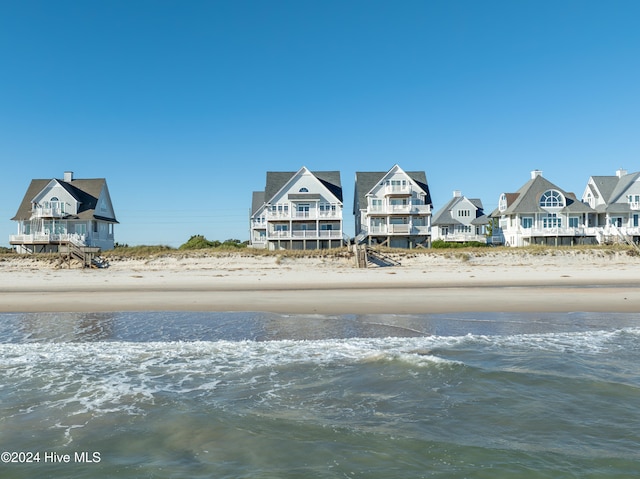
(55, 213)
(392, 208)
(461, 220)
(542, 213)
(616, 201)
(298, 210)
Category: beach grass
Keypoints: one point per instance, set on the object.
(146, 252)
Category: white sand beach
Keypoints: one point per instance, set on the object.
(507, 281)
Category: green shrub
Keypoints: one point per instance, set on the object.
(233, 244)
(440, 244)
(199, 242)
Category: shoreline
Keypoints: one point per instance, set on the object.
(499, 282)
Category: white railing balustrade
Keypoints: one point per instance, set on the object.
(409, 209)
(305, 234)
(79, 240)
(463, 238)
(397, 189)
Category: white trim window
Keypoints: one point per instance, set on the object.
(502, 203)
(552, 199)
(526, 222)
(551, 221)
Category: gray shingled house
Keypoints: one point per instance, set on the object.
(392, 208)
(57, 212)
(298, 210)
(542, 213)
(461, 220)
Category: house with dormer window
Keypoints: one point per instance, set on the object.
(542, 213)
(392, 208)
(616, 201)
(298, 210)
(57, 212)
(461, 220)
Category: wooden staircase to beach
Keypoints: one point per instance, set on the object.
(87, 255)
(366, 256)
(621, 237)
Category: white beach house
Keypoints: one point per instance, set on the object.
(56, 212)
(392, 208)
(298, 210)
(542, 213)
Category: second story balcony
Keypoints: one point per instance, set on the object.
(397, 190)
(50, 209)
(305, 213)
(408, 209)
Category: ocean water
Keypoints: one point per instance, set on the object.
(256, 395)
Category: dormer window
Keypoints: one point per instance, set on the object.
(502, 203)
(552, 199)
(303, 190)
(590, 199)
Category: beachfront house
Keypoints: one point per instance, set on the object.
(55, 213)
(392, 208)
(616, 201)
(298, 210)
(461, 220)
(542, 213)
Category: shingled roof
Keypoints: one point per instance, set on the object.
(527, 199)
(276, 180)
(85, 191)
(443, 215)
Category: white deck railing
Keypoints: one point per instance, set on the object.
(397, 189)
(306, 234)
(399, 209)
(464, 237)
(304, 215)
(399, 230)
(79, 240)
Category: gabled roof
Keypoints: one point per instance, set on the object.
(443, 215)
(257, 201)
(367, 180)
(604, 186)
(276, 180)
(527, 198)
(85, 191)
(624, 182)
(611, 189)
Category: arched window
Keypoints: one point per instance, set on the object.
(54, 198)
(303, 190)
(552, 199)
(590, 199)
(502, 203)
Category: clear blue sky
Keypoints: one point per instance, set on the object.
(184, 105)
